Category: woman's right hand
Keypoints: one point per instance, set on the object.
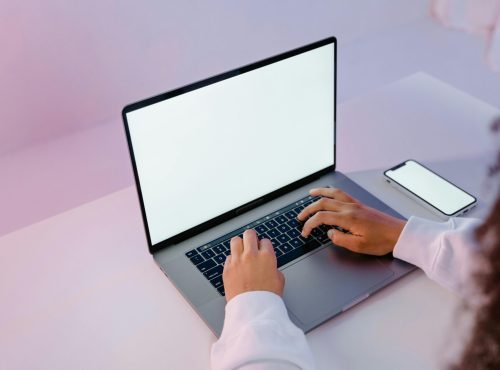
(370, 231)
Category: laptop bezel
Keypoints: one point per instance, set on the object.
(256, 202)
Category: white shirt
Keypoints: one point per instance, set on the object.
(258, 334)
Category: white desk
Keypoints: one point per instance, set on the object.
(80, 291)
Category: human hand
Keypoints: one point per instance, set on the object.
(251, 266)
(371, 231)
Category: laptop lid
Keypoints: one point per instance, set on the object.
(211, 150)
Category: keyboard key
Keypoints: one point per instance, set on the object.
(212, 273)
(286, 247)
(296, 243)
(264, 236)
(283, 228)
(208, 254)
(218, 249)
(204, 247)
(317, 232)
(294, 223)
(291, 214)
(323, 238)
(283, 238)
(276, 242)
(281, 219)
(207, 265)
(220, 258)
(191, 253)
(261, 229)
(271, 224)
(278, 252)
(197, 259)
(311, 244)
(293, 233)
(217, 281)
(226, 243)
(273, 233)
(320, 235)
(227, 253)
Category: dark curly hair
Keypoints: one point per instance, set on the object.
(482, 352)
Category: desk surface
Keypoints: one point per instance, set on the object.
(80, 291)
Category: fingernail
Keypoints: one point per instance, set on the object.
(330, 233)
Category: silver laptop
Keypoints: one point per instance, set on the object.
(242, 150)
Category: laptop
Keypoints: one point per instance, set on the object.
(242, 150)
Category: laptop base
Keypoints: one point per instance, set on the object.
(319, 285)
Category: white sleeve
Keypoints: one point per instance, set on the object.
(446, 251)
(258, 335)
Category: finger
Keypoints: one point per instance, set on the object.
(250, 242)
(324, 204)
(266, 246)
(347, 241)
(236, 248)
(333, 193)
(227, 263)
(325, 218)
(226, 272)
(282, 278)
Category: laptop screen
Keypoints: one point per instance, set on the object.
(210, 149)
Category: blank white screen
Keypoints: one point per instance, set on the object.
(208, 151)
(431, 188)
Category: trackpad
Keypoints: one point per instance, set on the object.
(329, 280)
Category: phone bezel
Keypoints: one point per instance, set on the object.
(456, 213)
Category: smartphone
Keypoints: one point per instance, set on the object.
(429, 189)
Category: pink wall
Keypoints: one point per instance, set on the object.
(66, 66)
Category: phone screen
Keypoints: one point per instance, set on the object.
(430, 187)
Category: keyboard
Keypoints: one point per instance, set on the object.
(281, 227)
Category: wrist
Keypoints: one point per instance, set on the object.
(396, 231)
